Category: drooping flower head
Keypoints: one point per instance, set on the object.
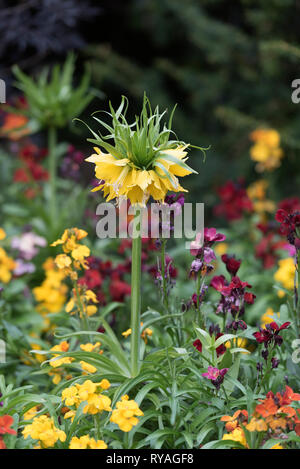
(142, 160)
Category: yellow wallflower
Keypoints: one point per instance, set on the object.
(62, 261)
(31, 413)
(74, 252)
(79, 302)
(286, 273)
(257, 425)
(257, 193)
(87, 367)
(56, 362)
(7, 265)
(2, 234)
(236, 435)
(85, 442)
(51, 294)
(144, 335)
(126, 413)
(277, 446)
(43, 429)
(89, 392)
(266, 150)
(90, 347)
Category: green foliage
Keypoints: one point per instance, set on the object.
(52, 99)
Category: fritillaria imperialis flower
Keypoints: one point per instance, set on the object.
(142, 161)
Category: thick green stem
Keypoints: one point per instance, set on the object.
(136, 298)
(52, 172)
(163, 275)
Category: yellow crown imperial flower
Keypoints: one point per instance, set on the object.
(142, 161)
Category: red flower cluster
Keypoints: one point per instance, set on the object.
(267, 248)
(290, 226)
(277, 411)
(6, 422)
(234, 201)
(233, 295)
(231, 263)
(31, 171)
(270, 334)
(103, 278)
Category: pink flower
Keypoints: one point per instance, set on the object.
(211, 236)
(214, 373)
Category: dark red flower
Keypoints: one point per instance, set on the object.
(249, 298)
(289, 225)
(267, 248)
(198, 345)
(270, 333)
(234, 201)
(119, 289)
(231, 263)
(218, 283)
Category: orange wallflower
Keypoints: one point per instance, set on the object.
(14, 127)
(232, 422)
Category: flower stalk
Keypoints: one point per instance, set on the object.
(136, 294)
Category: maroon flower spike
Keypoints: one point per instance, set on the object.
(234, 201)
(218, 283)
(289, 225)
(249, 298)
(232, 264)
(270, 333)
(198, 345)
